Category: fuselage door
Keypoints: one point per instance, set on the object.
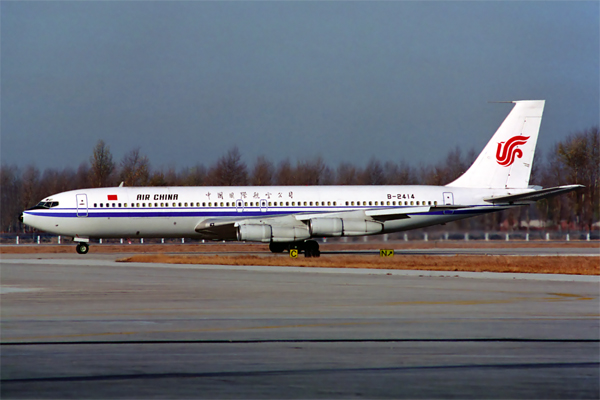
(263, 205)
(82, 206)
(239, 205)
(448, 199)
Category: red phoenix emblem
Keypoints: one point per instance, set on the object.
(112, 197)
(505, 155)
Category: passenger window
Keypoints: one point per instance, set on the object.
(334, 203)
(328, 203)
(95, 205)
(411, 202)
(269, 204)
(352, 203)
(246, 204)
(346, 203)
(125, 205)
(435, 203)
(137, 204)
(101, 205)
(304, 203)
(393, 203)
(310, 203)
(429, 203)
(417, 202)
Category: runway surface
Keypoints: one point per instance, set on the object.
(88, 327)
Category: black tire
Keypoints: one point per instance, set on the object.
(276, 247)
(311, 249)
(82, 248)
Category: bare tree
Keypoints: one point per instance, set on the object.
(285, 175)
(195, 176)
(135, 169)
(313, 172)
(10, 198)
(401, 174)
(102, 165)
(30, 182)
(373, 174)
(347, 174)
(579, 156)
(229, 170)
(262, 173)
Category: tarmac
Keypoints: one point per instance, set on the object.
(89, 327)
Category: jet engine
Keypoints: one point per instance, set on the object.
(343, 227)
(270, 233)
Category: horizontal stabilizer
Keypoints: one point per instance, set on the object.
(535, 195)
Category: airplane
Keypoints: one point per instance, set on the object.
(291, 217)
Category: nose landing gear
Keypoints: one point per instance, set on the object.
(82, 248)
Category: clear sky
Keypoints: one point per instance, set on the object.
(349, 81)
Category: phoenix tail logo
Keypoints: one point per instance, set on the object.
(506, 153)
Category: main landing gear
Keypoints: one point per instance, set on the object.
(309, 247)
(82, 248)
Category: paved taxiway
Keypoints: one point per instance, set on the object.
(87, 327)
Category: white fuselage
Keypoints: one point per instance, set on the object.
(129, 212)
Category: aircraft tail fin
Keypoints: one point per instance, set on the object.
(506, 160)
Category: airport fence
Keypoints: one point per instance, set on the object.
(493, 236)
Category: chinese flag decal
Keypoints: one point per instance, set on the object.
(112, 197)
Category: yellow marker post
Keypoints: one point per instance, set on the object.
(386, 253)
(293, 253)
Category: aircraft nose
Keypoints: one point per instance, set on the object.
(21, 217)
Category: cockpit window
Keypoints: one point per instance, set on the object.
(45, 205)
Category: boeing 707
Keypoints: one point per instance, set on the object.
(289, 217)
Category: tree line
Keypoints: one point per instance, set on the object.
(574, 160)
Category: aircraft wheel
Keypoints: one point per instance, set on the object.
(311, 249)
(82, 248)
(276, 247)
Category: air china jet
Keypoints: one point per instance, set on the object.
(288, 217)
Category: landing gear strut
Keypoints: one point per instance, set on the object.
(82, 248)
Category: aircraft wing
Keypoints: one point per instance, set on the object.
(535, 195)
(226, 227)
(386, 214)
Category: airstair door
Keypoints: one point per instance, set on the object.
(448, 199)
(82, 205)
